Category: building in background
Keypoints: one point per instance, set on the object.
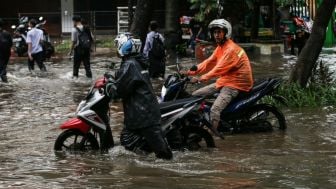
(100, 15)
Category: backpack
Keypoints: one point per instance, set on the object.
(48, 48)
(157, 50)
(84, 39)
(5, 41)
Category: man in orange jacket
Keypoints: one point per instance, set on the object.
(229, 64)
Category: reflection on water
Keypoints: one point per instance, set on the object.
(32, 108)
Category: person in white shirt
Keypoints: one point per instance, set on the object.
(35, 51)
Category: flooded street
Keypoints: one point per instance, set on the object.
(33, 106)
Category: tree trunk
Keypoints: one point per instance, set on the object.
(255, 20)
(130, 13)
(172, 27)
(311, 51)
(141, 19)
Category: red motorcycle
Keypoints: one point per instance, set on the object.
(90, 130)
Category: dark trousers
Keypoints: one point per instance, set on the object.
(155, 142)
(4, 58)
(38, 58)
(157, 67)
(82, 56)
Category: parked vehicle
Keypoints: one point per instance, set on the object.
(90, 130)
(245, 113)
(20, 36)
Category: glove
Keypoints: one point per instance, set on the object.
(109, 77)
(111, 90)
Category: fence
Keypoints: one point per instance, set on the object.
(305, 8)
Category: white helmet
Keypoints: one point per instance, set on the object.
(221, 23)
(127, 45)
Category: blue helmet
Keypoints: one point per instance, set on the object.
(127, 45)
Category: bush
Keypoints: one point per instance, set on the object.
(313, 96)
(320, 92)
(64, 45)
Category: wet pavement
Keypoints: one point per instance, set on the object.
(33, 106)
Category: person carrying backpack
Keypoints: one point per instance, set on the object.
(35, 51)
(6, 43)
(155, 51)
(82, 40)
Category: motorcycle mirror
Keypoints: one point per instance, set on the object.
(13, 27)
(109, 75)
(193, 68)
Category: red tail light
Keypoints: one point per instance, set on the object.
(202, 106)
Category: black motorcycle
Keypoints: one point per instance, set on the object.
(20, 37)
(246, 113)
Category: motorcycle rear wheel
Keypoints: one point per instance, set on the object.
(195, 138)
(267, 116)
(74, 140)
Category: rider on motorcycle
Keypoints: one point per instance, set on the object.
(229, 64)
(142, 115)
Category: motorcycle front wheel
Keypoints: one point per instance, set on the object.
(265, 117)
(74, 140)
(195, 138)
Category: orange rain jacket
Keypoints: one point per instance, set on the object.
(230, 64)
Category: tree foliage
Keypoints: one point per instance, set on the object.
(204, 7)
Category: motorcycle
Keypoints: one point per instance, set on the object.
(246, 113)
(20, 36)
(90, 130)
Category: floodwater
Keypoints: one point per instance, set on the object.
(33, 106)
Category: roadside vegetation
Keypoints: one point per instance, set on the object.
(320, 92)
(64, 45)
(314, 95)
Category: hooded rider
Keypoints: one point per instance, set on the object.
(229, 64)
(142, 115)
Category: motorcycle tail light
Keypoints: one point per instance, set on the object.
(202, 106)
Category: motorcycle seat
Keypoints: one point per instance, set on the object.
(173, 105)
(259, 85)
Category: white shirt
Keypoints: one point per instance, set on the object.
(34, 36)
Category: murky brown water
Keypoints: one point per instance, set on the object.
(32, 108)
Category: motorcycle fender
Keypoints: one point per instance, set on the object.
(76, 123)
(175, 115)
